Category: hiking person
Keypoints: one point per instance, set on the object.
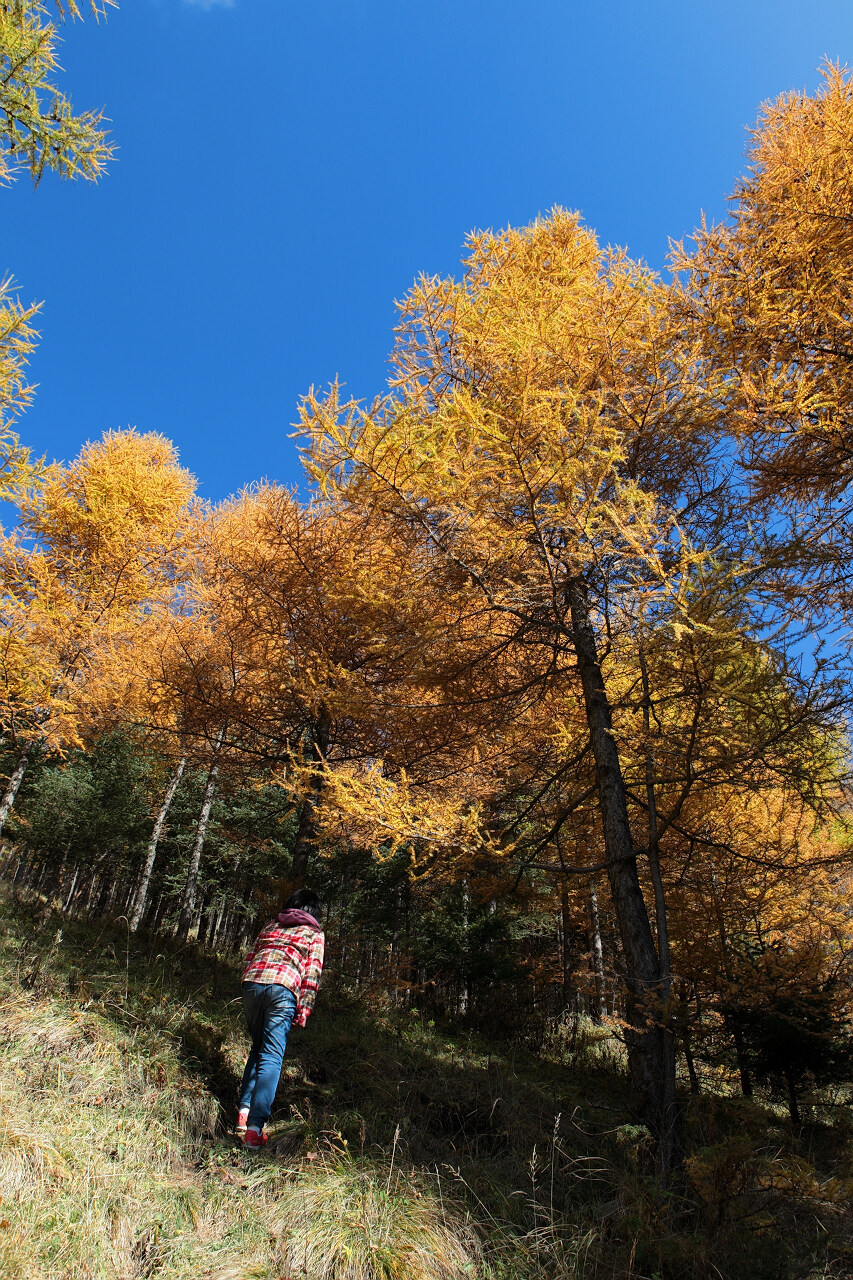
(280, 980)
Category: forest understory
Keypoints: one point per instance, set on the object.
(400, 1148)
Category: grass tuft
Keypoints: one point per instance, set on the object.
(346, 1221)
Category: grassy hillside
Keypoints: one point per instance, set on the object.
(398, 1150)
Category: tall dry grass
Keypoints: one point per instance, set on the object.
(99, 1163)
(347, 1220)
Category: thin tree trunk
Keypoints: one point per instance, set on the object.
(567, 956)
(306, 835)
(465, 993)
(793, 1102)
(46, 873)
(654, 861)
(59, 875)
(14, 783)
(734, 1029)
(213, 939)
(114, 898)
(103, 898)
(646, 1044)
(70, 895)
(671, 1116)
(597, 956)
(220, 935)
(691, 1064)
(141, 899)
(92, 890)
(395, 946)
(189, 895)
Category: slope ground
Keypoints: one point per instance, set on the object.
(398, 1149)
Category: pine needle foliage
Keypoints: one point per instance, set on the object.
(39, 129)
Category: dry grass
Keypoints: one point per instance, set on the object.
(101, 1169)
(116, 1058)
(111, 1167)
(108, 1171)
(346, 1221)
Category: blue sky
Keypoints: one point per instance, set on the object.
(285, 170)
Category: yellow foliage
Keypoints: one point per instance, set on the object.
(96, 545)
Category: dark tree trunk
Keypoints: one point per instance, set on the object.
(647, 1044)
(103, 898)
(47, 873)
(464, 997)
(691, 1064)
(670, 1105)
(743, 1068)
(793, 1101)
(307, 832)
(597, 957)
(395, 945)
(566, 951)
(217, 915)
(156, 916)
(736, 1033)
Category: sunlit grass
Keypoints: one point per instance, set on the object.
(351, 1221)
(101, 1159)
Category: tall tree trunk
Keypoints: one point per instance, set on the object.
(156, 917)
(14, 783)
(188, 908)
(464, 1002)
(691, 1064)
(793, 1102)
(198, 923)
(306, 834)
(731, 1022)
(567, 954)
(597, 956)
(670, 1105)
(141, 899)
(220, 938)
(103, 897)
(223, 932)
(213, 938)
(395, 946)
(69, 897)
(646, 1043)
(742, 1064)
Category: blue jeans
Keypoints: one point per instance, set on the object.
(269, 1009)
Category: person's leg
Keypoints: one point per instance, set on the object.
(254, 1000)
(248, 1083)
(279, 1012)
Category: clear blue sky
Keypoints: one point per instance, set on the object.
(286, 169)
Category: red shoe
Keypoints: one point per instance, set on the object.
(253, 1140)
(242, 1121)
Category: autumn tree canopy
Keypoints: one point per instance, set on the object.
(533, 644)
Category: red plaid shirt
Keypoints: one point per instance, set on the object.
(291, 957)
